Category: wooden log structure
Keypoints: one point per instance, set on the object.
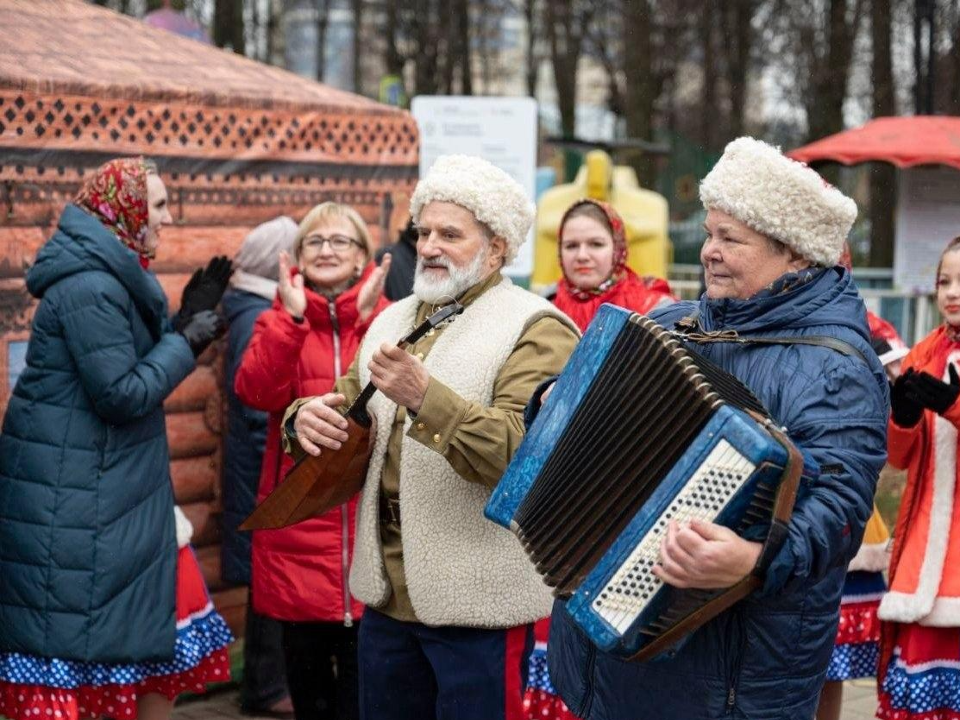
(236, 142)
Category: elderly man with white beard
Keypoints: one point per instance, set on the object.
(450, 597)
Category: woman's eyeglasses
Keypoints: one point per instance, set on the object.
(338, 243)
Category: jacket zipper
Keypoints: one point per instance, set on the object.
(738, 661)
(587, 702)
(344, 509)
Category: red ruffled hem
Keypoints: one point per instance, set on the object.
(541, 705)
(858, 623)
(37, 702)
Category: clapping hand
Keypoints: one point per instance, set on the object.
(372, 289)
(206, 287)
(926, 391)
(292, 294)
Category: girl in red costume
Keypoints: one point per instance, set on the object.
(920, 647)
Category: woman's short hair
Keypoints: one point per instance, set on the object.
(330, 210)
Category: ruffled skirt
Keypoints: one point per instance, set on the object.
(856, 653)
(923, 677)
(39, 688)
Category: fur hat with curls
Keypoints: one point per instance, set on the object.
(494, 198)
(780, 198)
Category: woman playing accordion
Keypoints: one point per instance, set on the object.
(774, 234)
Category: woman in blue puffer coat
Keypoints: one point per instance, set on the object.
(100, 613)
(774, 233)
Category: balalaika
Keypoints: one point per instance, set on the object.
(638, 431)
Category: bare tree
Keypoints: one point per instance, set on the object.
(322, 21)
(462, 47)
(565, 24)
(532, 16)
(228, 26)
(736, 19)
(709, 25)
(883, 177)
(820, 42)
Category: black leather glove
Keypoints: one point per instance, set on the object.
(202, 329)
(906, 411)
(925, 390)
(205, 288)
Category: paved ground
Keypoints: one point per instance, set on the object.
(213, 706)
(859, 703)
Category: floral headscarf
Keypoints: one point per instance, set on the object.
(116, 195)
(619, 250)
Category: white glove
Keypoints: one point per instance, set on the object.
(184, 527)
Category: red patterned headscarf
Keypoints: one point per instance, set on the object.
(116, 194)
(619, 250)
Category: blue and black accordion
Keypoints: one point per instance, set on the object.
(640, 430)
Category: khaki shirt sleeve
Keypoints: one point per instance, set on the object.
(479, 441)
(347, 385)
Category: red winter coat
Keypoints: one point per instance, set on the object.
(300, 572)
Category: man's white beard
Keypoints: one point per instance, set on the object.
(457, 281)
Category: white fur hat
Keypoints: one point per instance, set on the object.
(780, 198)
(494, 198)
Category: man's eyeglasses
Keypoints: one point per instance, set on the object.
(338, 243)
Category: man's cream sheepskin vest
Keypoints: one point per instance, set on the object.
(461, 568)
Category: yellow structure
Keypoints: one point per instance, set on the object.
(644, 216)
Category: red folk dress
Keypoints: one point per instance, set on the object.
(920, 648)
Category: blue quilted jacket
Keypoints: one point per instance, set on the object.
(87, 542)
(766, 657)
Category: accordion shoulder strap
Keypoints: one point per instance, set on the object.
(689, 328)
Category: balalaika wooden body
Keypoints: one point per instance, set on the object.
(639, 431)
(317, 484)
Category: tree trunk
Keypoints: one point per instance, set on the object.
(446, 55)
(275, 41)
(322, 8)
(953, 96)
(228, 25)
(463, 48)
(883, 176)
(832, 70)
(426, 43)
(565, 46)
(533, 31)
(709, 111)
(738, 30)
(640, 91)
(393, 60)
(356, 7)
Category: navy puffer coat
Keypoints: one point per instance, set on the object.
(87, 542)
(766, 657)
(243, 446)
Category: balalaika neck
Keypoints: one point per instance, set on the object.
(358, 410)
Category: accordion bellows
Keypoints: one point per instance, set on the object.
(639, 431)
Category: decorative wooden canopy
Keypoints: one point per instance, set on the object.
(237, 143)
